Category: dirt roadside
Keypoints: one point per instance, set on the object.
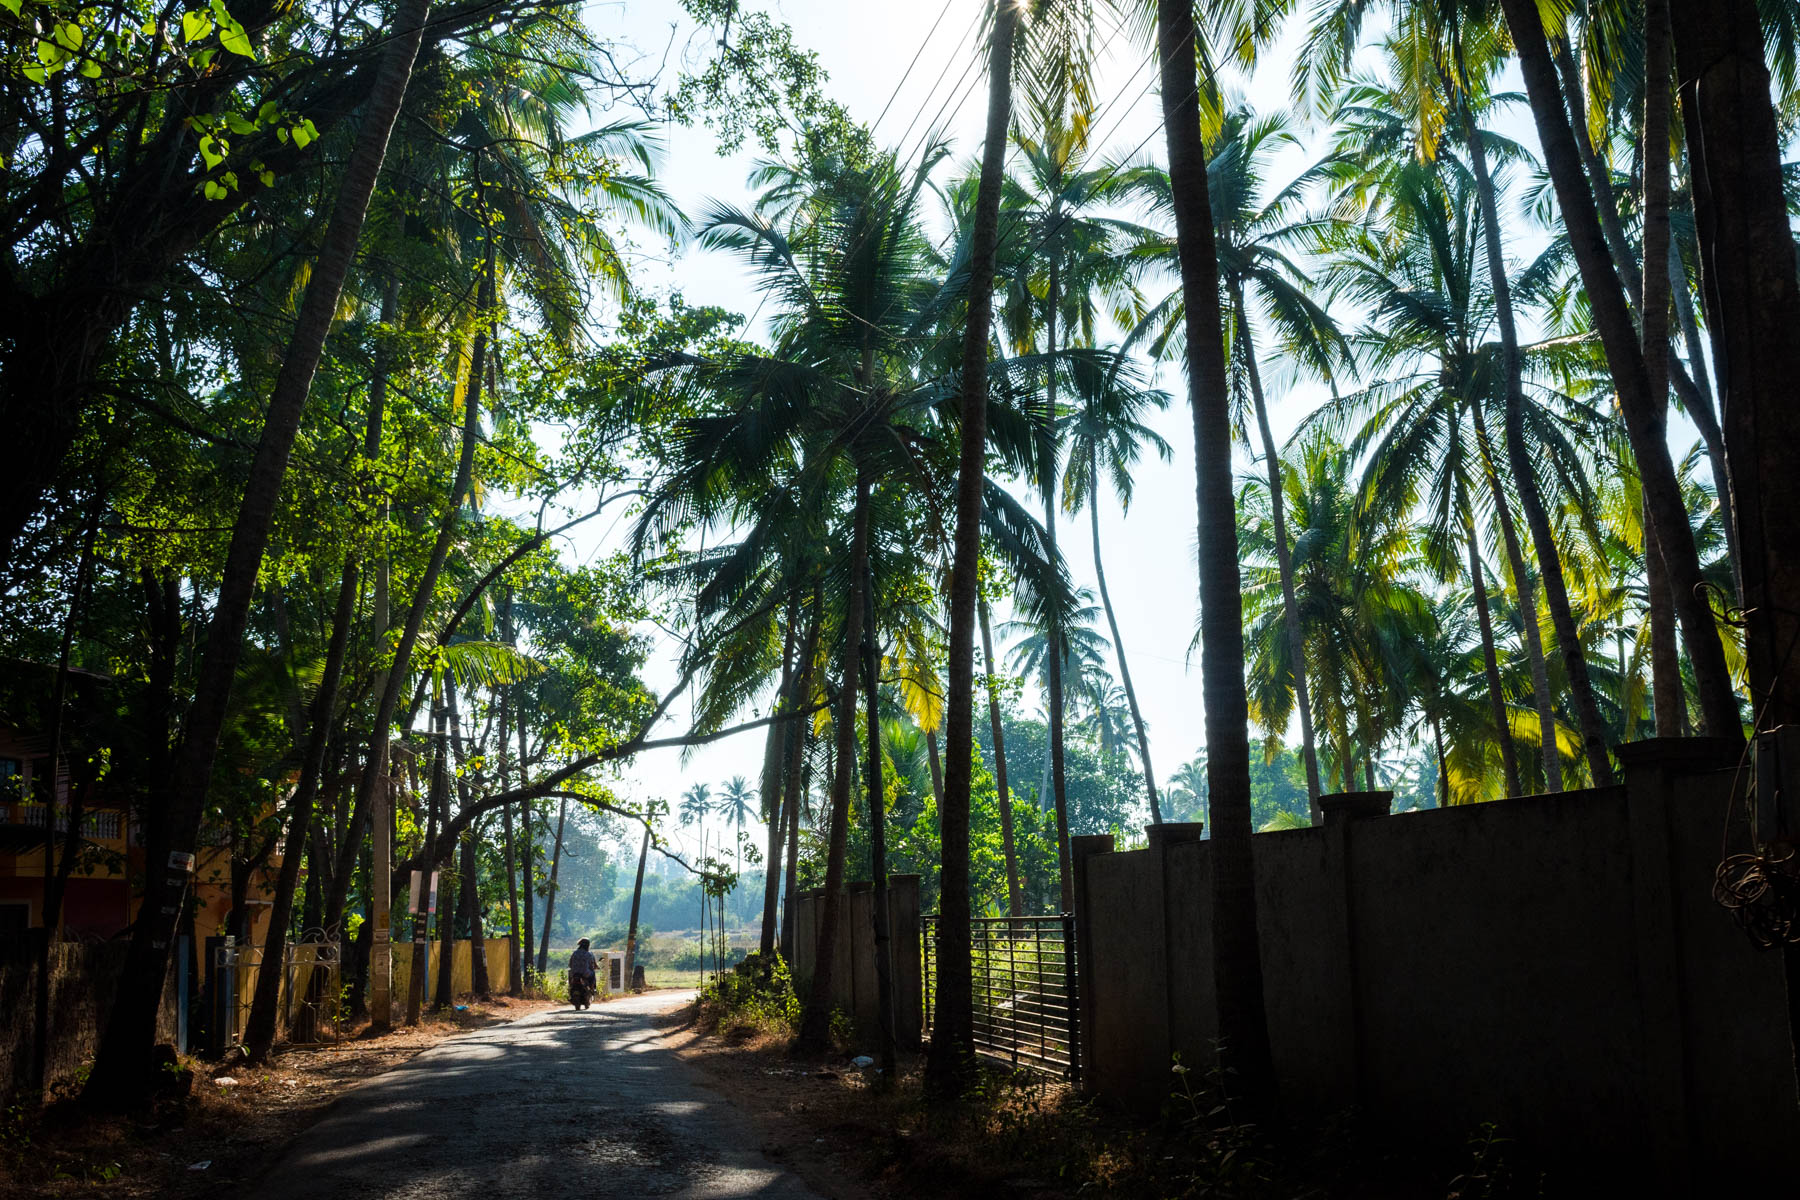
(235, 1119)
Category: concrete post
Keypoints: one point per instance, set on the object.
(1342, 811)
(1081, 849)
(1651, 769)
(903, 913)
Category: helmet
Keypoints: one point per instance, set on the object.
(582, 944)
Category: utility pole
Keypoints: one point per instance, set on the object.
(381, 955)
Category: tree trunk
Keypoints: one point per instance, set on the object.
(1612, 319)
(1754, 299)
(637, 896)
(774, 763)
(800, 732)
(1055, 634)
(1543, 538)
(1509, 758)
(543, 956)
(529, 855)
(815, 1026)
(937, 766)
(1112, 623)
(1284, 558)
(1528, 614)
(951, 1065)
(877, 806)
(1443, 765)
(376, 764)
(123, 1068)
(1237, 955)
(1014, 898)
(259, 1030)
(479, 983)
(515, 980)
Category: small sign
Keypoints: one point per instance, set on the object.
(418, 882)
(181, 861)
(434, 885)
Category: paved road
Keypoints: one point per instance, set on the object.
(557, 1104)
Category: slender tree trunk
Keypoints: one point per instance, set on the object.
(1443, 765)
(543, 957)
(637, 898)
(937, 766)
(1665, 656)
(877, 806)
(122, 1070)
(259, 1031)
(1700, 409)
(1055, 632)
(1509, 758)
(55, 877)
(395, 680)
(774, 763)
(1528, 612)
(1112, 623)
(1537, 520)
(1237, 954)
(794, 783)
(1612, 319)
(529, 856)
(1284, 558)
(950, 1067)
(1014, 897)
(815, 1026)
(1734, 149)
(479, 983)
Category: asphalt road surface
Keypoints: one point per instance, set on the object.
(557, 1104)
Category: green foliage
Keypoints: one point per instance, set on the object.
(755, 996)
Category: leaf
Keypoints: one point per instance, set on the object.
(207, 152)
(234, 39)
(267, 176)
(11, 6)
(240, 123)
(69, 34)
(195, 25)
(214, 190)
(90, 68)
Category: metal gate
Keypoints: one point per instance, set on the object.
(311, 987)
(1027, 1011)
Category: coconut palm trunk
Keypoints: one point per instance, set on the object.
(951, 1065)
(637, 897)
(123, 1067)
(1112, 624)
(774, 764)
(1537, 520)
(1014, 896)
(1528, 611)
(1509, 758)
(1054, 635)
(259, 1029)
(1237, 955)
(543, 954)
(1284, 557)
(1612, 319)
(793, 784)
(877, 806)
(815, 1025)
(1753, 300)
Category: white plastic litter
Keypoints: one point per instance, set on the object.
(862, 1061)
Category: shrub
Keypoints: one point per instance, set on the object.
(755, 996)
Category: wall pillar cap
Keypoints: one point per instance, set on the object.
(1173, 833)
(1356, 806)
(1084, 844)
(1682, 755)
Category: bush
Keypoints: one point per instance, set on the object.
(755, 996)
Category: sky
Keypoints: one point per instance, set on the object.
(910, 67)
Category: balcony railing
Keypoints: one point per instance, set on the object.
(101, 824)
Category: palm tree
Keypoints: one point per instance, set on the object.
(1624, 355)
(1237, 954)
(951, 1064)
(696, 806)
(121, 1068)
(1255, 238)
(734, 805)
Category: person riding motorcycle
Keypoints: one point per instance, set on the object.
(582, 978)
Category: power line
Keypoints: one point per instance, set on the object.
(909, 66)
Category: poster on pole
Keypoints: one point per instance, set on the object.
(434, 886)
(418, 881)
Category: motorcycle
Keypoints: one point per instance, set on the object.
(580, 993)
